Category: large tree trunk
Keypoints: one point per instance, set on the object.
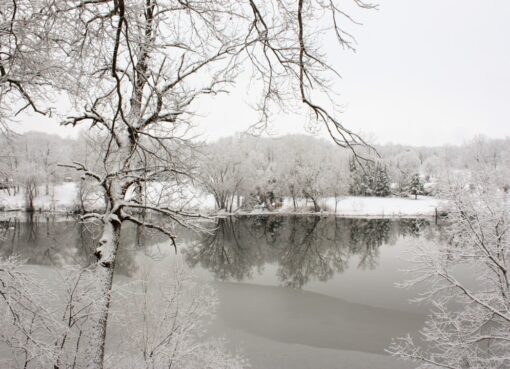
(106, 253)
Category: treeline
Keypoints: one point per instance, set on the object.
(245, 171)
(249, 171)
(264, 170)
(29, 163)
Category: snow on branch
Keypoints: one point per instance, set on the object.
(477, 333)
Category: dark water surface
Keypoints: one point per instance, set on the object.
(295, 291)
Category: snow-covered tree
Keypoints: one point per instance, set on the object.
(161, 321)
(30, 58)
(369, 179)
(470, 323)
(166, 324)
(312, 173)
(138, 69)
(43, 324)
(336, 178)
(433, 167)
(359, 184)
(404, 165)
(381, 181)
(484, 155)
(221, 172)
(415, 186)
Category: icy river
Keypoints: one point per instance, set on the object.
(295, 291)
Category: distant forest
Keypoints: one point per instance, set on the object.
(246, 170)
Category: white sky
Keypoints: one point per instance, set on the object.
(427, 72)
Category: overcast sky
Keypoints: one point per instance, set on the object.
(426, 72)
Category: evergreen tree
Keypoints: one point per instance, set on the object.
(357, 184)
(370, 180)
(381, 181)
(415, 186)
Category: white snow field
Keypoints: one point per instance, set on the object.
(384, 206)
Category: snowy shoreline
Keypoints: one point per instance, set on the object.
(356, 207)
(326, 214)
(6, 214)
(63, 200)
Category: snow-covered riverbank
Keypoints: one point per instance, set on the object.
(385, 206)
(64, 198)
(61, 197)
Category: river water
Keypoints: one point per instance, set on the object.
(295, 291)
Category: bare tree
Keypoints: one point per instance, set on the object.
(174, 313)
(470, 323)
(221, 172)
(41, 325)
(405, 164)
(29, 58)
(45, 323)
(137, 70)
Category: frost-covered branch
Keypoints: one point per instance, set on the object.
(477, 334)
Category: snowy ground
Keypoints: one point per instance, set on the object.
(346, 206)
(384, 206)
(64, 197)
(61, 197)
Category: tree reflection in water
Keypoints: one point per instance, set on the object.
(230, 251)
(49, 240)
(304, 248)
(366, 238)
